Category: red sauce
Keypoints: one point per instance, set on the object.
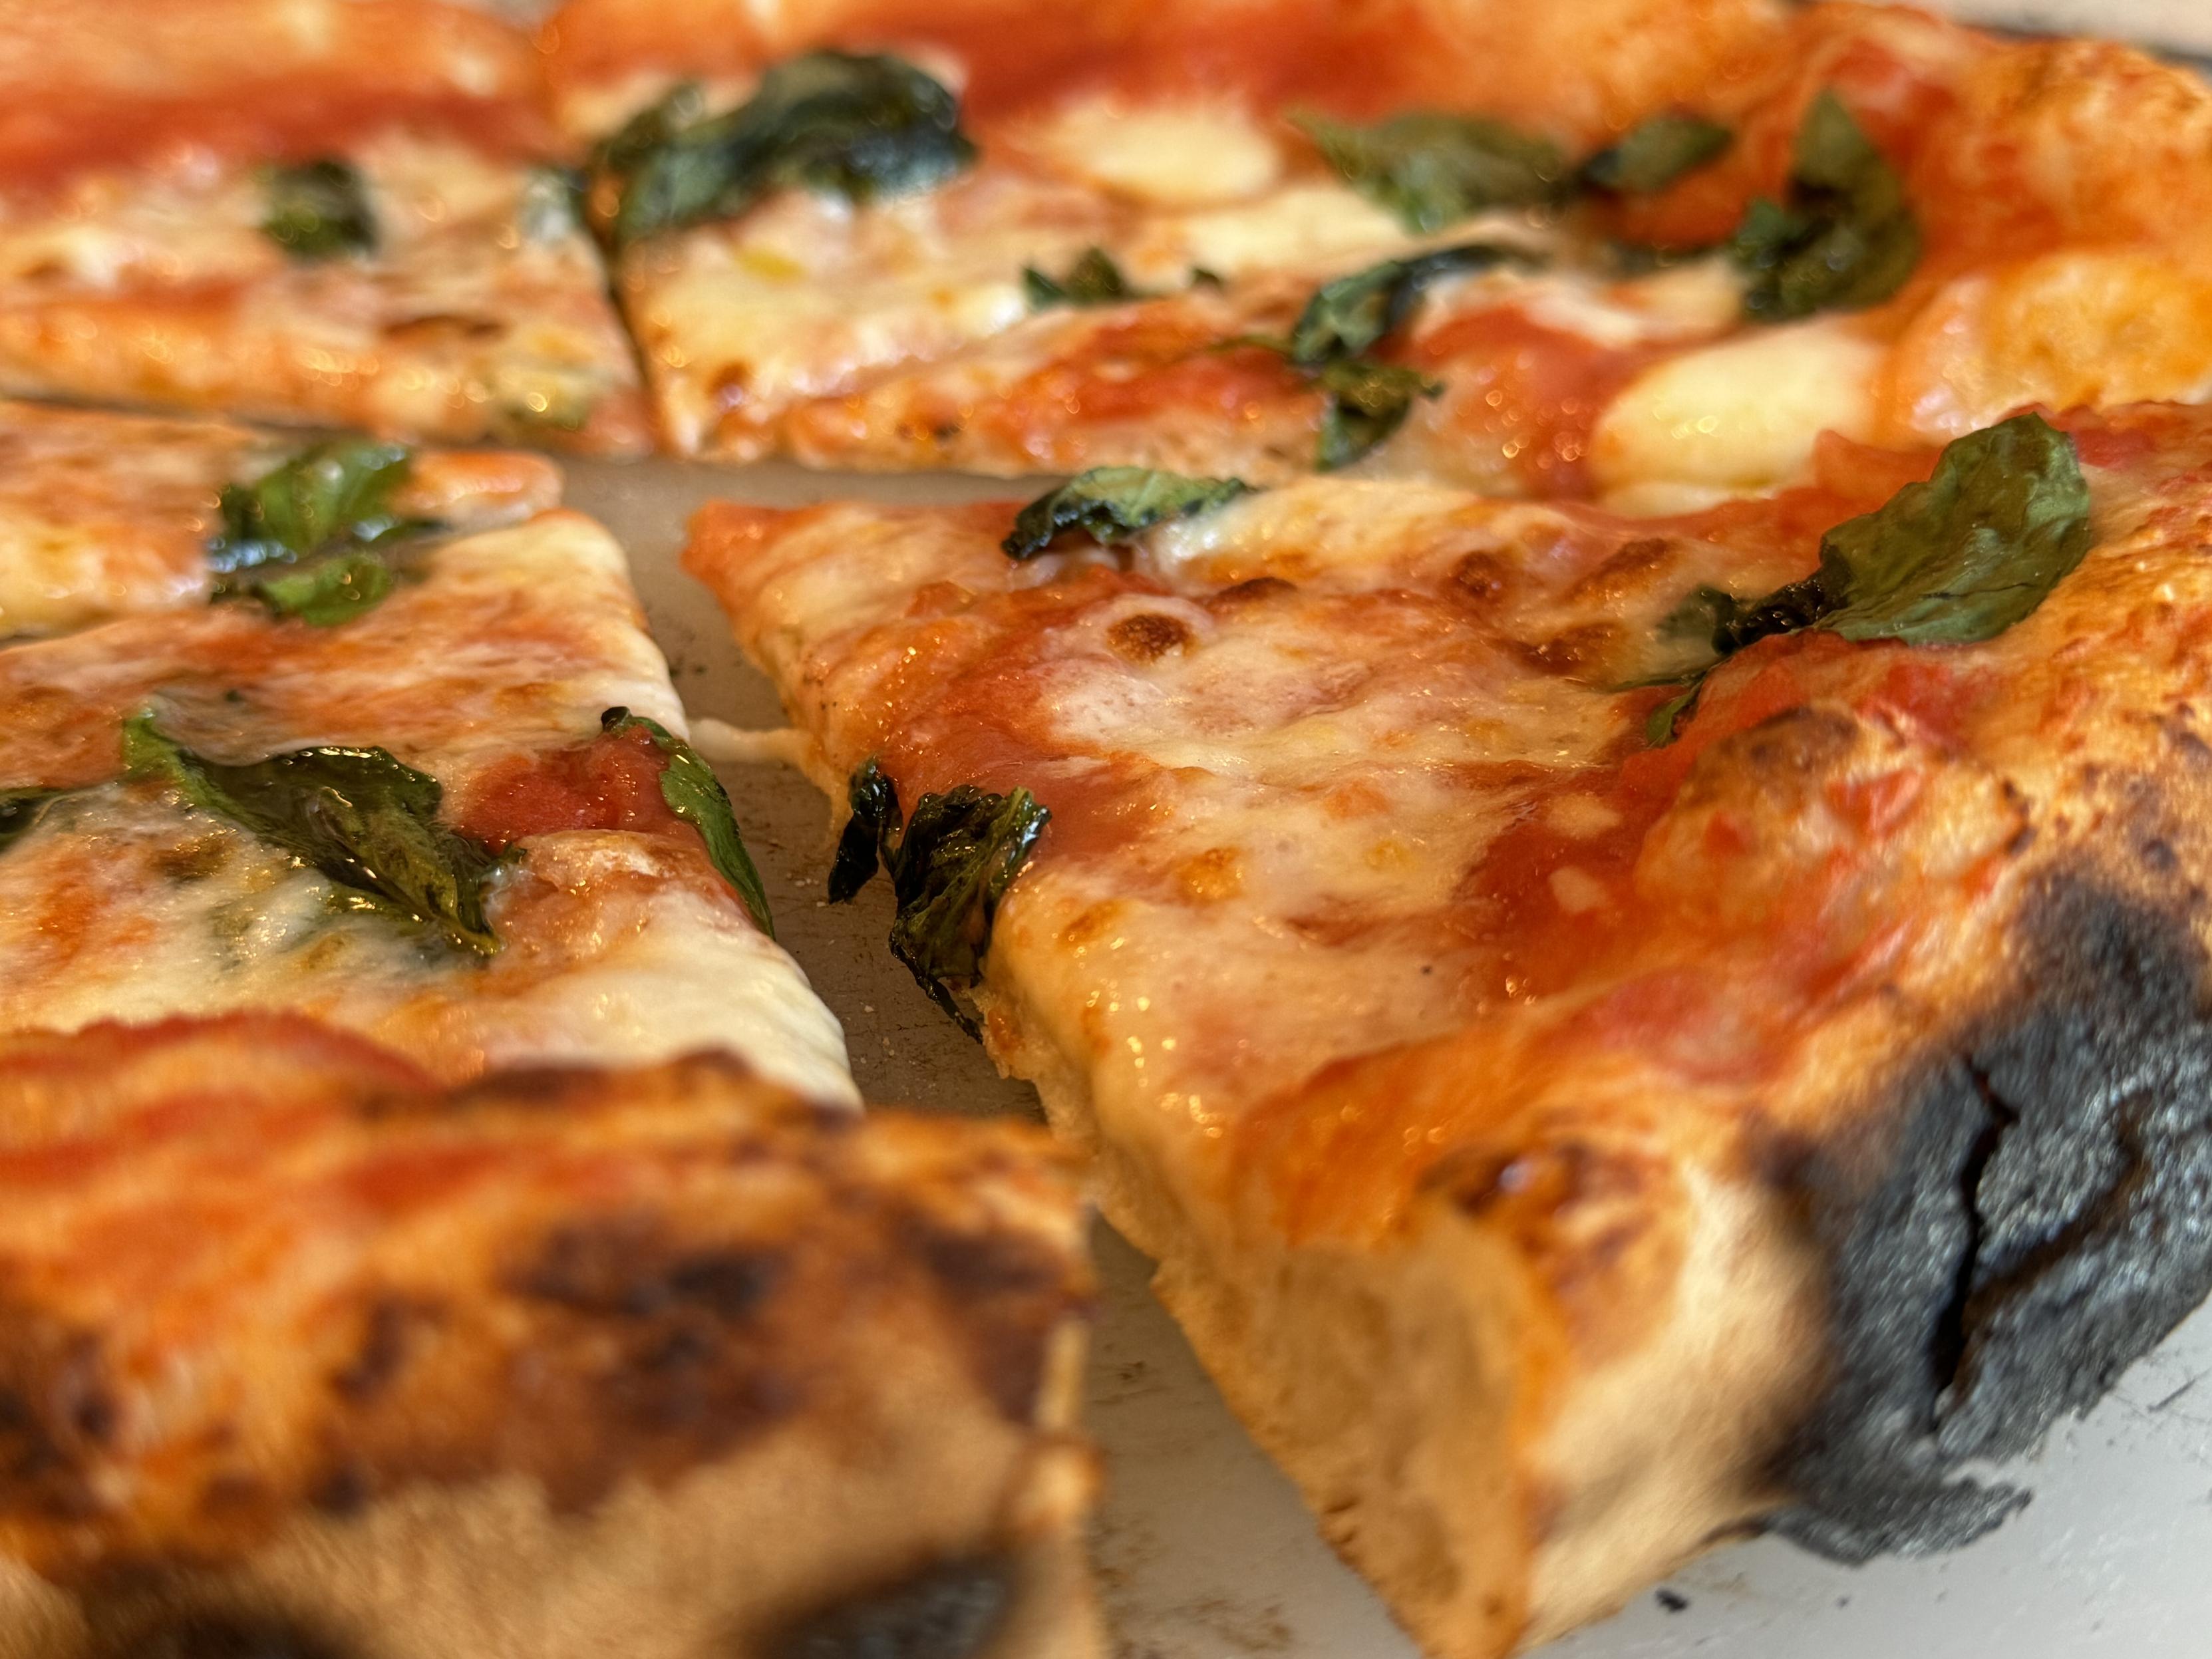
(1533, 391)
(612, 782)
(1137, 370)
(43, 145)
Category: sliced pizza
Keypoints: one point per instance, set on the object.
(1607, 248)
(306, 1355)
(432, 788)
(107, 515)
(1617, 1031)
(340, 212)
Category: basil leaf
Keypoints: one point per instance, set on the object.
(1955, 561)
(1345, 317)
(20, 810)
(1962, 557)
(1111, 504)
(1092, 279)
(368, 822)
(694, 794)
(1367, 402)
(950, 868)
(1844, 239)
(1659, 724)
(1433, 169)
(1654, 152)
(873, 825)
(326, 512)
(326, 591)
(318, 211)
(860, 126)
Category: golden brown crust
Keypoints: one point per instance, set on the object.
(290, 1333)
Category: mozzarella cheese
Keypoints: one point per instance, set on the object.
(1165, 154)
(1741, 415)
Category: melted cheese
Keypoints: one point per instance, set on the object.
(615, 946)
(1743, 415)
(1164, 154)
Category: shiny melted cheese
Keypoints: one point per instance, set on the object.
(614, 945)
(1165, 154)
(460, 324)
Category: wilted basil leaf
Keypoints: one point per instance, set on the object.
(20, 810)
(949, 868)
(307, 537)
(694, 794)
(1955, 561)
(860, 126)
(366, 821)
(318, 211)
(326, 591)
(1844, 239)
(1112, 504)
(1092, 279)
(1367, 402)
(1433, 169)
(1654, 152)
(1347, 316)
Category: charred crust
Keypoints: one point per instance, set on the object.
(2036, 1217)
(387, 1329)
(1006, 1294)
(948, 1611)
(207, 1634)
(625, 1269)
(1147, 636)
(58, 1412)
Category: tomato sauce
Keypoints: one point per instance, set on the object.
(612, 782)
(44, 145)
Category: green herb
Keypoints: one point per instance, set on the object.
(1845, 237)
(1112, 504)
(1654, 154)
(1955, 561)
(318, 211)
(306, 537)
(1432, 169)
(1092, 279)
(1367, 401)
(21, 810)
(694, 794)
(858, 126)
(950, 868)
(365, 820)
(550, 208)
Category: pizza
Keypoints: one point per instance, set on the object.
(307, 1354)
(428, 785)
(105, 515)
(335, 212)
(1617, 1030)
(1616, 250)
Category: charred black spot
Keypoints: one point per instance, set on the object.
(1011, 1292)
(57, 1412)
(385, 1337)
(2042, 1220)
(223, 1635)
(947, 1612)
(624, 1270)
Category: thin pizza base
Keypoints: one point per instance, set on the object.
(489, 668)
(1566, 1153)
(2048, 178)
(134, 267)
(544, 1371)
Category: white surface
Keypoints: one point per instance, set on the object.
(1203, 1551)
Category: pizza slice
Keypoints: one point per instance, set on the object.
(305, 1354)
(1617, 1031)
(1600, 249)
(431, 786)
(105, 515)
(336, 212)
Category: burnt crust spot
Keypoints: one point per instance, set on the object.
(1147, 636)
(1010, 1294)
(207, 1635)
(948, 1612)
(2042, 1218)
(57, 1412)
